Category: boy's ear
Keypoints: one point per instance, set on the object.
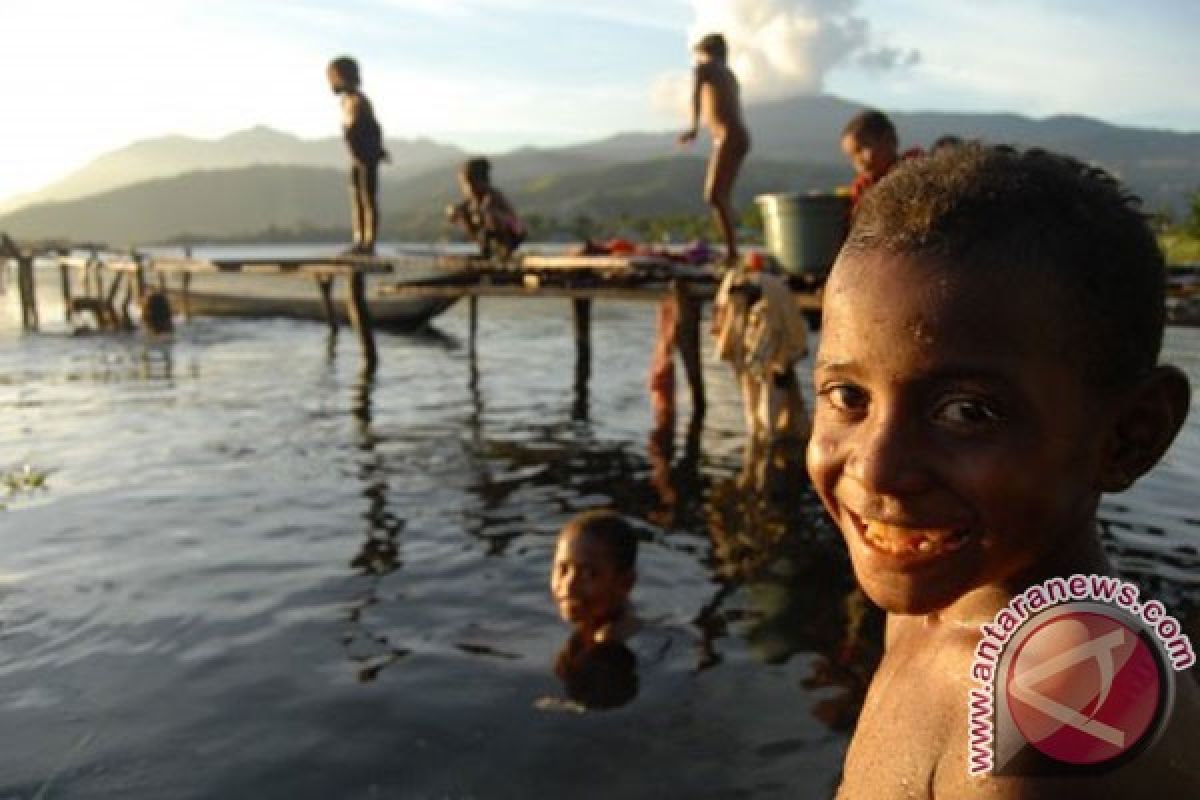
(1148, 421)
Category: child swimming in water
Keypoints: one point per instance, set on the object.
(988, 367)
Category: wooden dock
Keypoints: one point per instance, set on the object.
(105, 282)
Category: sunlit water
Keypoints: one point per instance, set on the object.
(252, 573)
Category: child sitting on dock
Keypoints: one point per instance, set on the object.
(486, 214)
(716, 101)
(364, 138)
(988, 367)
(870, 142)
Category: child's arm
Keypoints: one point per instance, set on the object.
(698, 78)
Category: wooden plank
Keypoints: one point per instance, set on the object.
(810, 301)
(631, 263)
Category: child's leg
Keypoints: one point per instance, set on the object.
(370, 220)
(727, 157)
(358, 209)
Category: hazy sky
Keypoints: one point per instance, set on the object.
(78, 78)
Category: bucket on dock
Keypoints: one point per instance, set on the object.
(804, 231)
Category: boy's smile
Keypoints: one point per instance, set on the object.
(955, 442)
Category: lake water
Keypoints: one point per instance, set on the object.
(253, 573)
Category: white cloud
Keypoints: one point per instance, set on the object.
(783, 47)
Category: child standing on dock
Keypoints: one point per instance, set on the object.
(486, 214)
(988, 368)
(364, 137)
(716, 102)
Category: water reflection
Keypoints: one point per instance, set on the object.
(379, 553)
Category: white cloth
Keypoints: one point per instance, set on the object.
(762, 339)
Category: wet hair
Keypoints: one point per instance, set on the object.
(714, 45)
(1040, 215)
(346, 68)
(870, 124)
(612, 529)
(477, 169)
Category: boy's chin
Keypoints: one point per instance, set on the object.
(908, 594)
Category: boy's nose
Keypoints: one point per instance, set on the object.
(886, 458)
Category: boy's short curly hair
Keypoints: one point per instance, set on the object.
(612, 529)
(1035, 214)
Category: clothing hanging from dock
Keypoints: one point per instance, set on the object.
(762, 334)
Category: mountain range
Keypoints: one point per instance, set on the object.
(265, 180)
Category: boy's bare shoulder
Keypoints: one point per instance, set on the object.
(1168, 769)
(914, 727)
(911, 711)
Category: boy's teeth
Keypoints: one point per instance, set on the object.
(896, 540)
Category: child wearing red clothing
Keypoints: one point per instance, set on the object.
(869, 140)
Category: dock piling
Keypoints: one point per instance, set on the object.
(325, 287)
(360, 319)
(582, 308)
(27, 287)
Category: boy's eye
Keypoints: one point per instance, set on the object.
(846, 398)
(967, 412)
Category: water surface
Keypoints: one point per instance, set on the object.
(254, 572)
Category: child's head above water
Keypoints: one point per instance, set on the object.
(594, 569)
(343, 74)
(870, 142)
(987, 368)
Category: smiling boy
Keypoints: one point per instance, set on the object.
(987, 369)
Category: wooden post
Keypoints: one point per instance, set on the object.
(360, 319)
(325, 286)
(64, 274)
(186, 295)
(687, 340)
(472, 323)
(139, 277)
(582, 307)
(28, 290)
